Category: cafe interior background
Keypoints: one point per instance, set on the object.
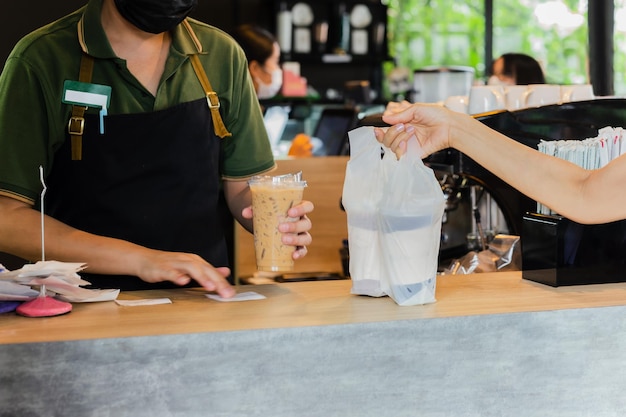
(418, 33)
(314, 349)
(361, 54)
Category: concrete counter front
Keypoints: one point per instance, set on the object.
(492, 345)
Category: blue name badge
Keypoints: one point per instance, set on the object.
(88, 95)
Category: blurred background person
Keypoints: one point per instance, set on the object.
(516, 69)
(263, 53)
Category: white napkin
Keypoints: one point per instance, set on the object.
(11, 291)
(143, 302)
(61, 280)
(242, 296)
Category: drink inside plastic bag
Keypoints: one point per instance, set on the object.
(365, 253)
(409, 253)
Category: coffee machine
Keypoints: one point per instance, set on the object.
(434, 84)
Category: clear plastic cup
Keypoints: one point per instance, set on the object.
(272, 197)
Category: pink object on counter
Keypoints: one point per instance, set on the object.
(43, 307)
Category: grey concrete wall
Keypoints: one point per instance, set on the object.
(556, 363)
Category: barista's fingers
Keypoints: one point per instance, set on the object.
(301, 209)
(296, 233)
(181, 268)
(246, 213)
(303, 224)
(300, 252)
(212, 279)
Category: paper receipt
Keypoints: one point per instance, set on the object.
(242, 296)
(144, 302)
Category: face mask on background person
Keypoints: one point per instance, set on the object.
(494, 80)
(155, 16)
(270, 90)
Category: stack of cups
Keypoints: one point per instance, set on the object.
(488, 98)
(576, 92)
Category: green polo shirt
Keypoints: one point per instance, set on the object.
(33, 119)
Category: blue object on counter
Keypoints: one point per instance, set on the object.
(8, 306)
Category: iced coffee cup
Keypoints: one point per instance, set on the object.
(272, 197)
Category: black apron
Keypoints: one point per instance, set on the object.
(152, 179)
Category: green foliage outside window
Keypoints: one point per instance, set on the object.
(420, 36)
(451, 32)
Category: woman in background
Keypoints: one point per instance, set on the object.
(507, 69)
(516, 69)
(263, 54)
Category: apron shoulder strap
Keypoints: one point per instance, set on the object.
(76, 125)
(211, 96)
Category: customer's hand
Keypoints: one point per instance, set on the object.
(429, 124)
(395, 107)
(294, 233)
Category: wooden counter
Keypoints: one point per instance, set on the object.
(492, 345)
(302, 304)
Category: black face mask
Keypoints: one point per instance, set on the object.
(155, 16)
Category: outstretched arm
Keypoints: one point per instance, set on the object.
(585, 196)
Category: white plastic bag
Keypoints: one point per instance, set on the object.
(394, 209)
(362, 192)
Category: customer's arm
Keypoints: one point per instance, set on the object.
(581, 195)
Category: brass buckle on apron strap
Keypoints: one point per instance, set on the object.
(211, 97)
(76, 125)
(213, 100)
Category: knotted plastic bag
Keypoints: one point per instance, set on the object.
(394, 210)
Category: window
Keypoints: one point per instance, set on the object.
(419, 37)
(553, 32)
(619, 39)
(448, 32)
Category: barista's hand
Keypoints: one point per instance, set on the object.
(181, 268)
(294, 233)
(428, 123)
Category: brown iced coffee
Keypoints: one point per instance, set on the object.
(272, 197)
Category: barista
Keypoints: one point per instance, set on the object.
(584, 196)
(132, 188)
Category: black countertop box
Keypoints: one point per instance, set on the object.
(558, 252)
